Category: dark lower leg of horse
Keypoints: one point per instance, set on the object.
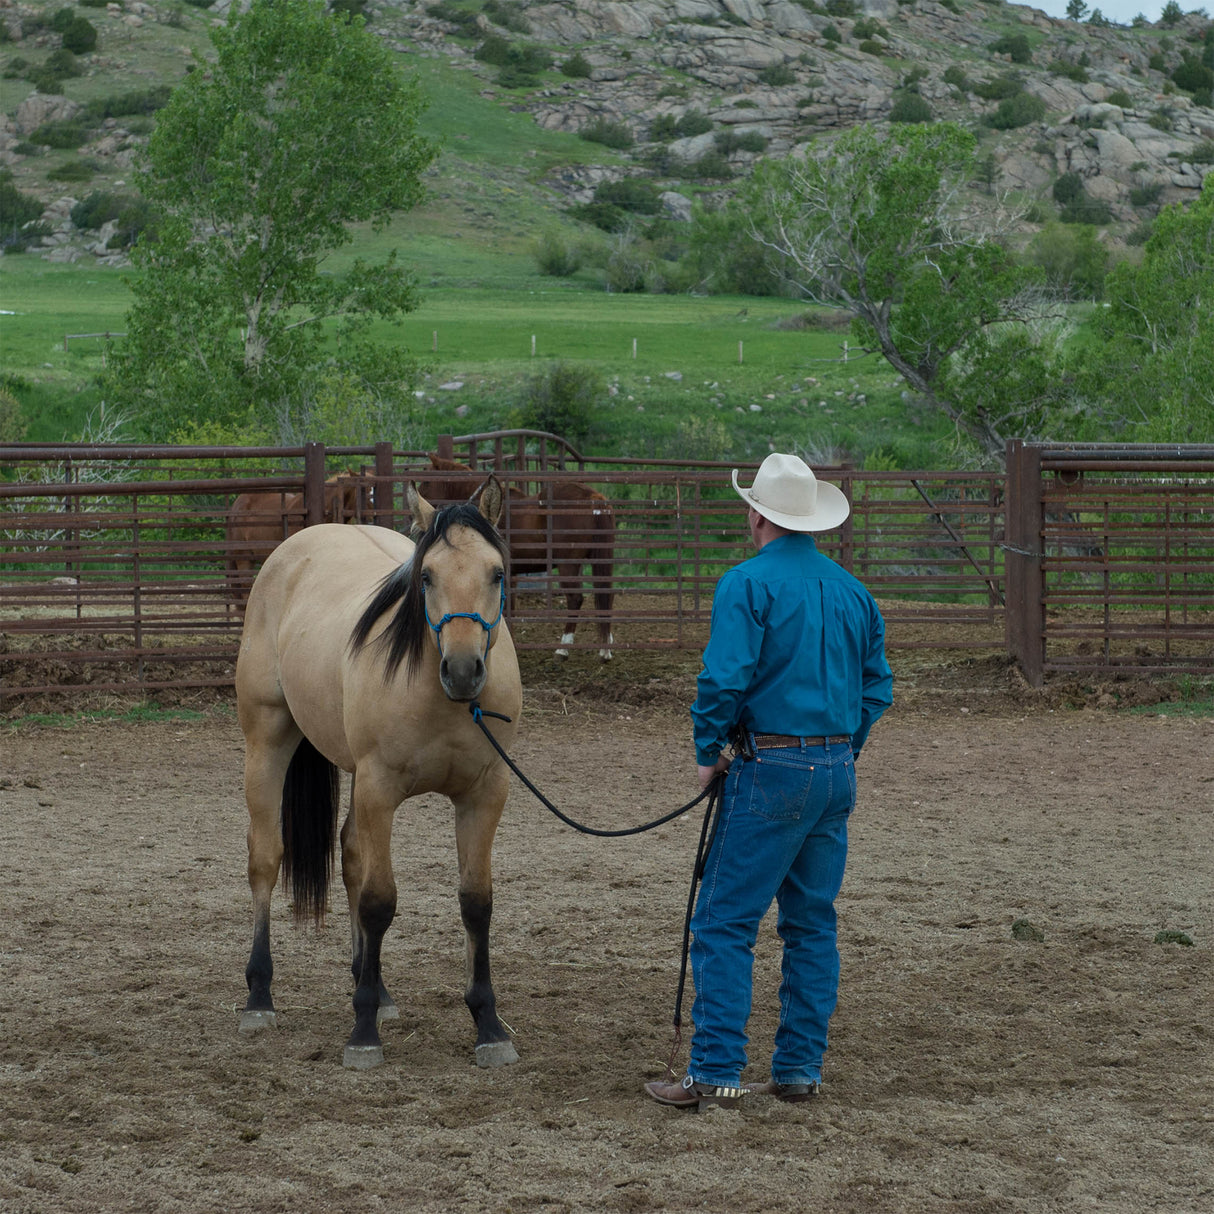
(349, 868)
(573, 604)
(364, 1049)
(259, 1009)
(493, 1045)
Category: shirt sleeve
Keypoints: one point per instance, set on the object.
(877, 682)
(730, 658)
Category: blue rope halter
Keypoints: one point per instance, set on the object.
(465, 615)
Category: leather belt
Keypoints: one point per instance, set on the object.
(771, 741)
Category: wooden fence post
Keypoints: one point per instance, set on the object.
(382, 514)
(1022, 556)
(314, 484)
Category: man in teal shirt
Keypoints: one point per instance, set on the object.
(794, 676)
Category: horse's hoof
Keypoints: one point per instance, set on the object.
(496, 1053)
(387, 1011)
(562, 653)
(606, 655)
(363, 1057)
(254, 1022)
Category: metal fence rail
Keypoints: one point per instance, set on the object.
(119, 567)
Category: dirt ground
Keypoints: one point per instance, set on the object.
(971, 1069)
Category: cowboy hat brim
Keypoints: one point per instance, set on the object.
(830, 509)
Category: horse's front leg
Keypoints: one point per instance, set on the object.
(351, 875)
(476, 817)
(369, 872)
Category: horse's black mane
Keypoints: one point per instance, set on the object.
(406, 632)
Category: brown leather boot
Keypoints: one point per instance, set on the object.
(687, 1094)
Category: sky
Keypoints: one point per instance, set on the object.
(1120, 11)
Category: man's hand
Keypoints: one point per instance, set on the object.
(707, 773)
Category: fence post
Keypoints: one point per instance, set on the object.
(1025, 611)
(381, 500)
(445, 446)
(314, 484)
(847, 529)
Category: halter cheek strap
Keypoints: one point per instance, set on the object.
(466, 615)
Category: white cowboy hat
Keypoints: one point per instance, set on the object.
(786, 491)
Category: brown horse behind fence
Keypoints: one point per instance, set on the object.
(257, 523)
(566, 527)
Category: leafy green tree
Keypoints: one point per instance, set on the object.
(1154, 362)
(870, 225)
(259, 166)
(1075, 9)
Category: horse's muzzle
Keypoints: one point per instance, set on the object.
(462, 676)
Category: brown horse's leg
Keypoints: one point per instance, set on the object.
(476, 817)
(570, 581)
(370, 873)
(271, 736)
(350, 870)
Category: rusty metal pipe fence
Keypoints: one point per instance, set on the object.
(119, 569)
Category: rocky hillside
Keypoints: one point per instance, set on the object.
(693, 91)
(787, 73)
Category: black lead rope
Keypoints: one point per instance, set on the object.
(478, 713)
(708, 830)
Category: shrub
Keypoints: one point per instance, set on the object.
(630, 194)
(508, 15)
(134, 220)
(841, 8)
(910, 107)
(555, 256)
(1000, 88)
(1202, 153)
(869, 47)
(1015, 45)
(663, 128)
(1086, 210)
(73, 170)
(778, 74)
(60, 135)
(1073, 71)
(495, 49)
(562, 400)
(712, 166)
(1018, 111)
(739, 141)
(80, 36)
(1192, 75)
(515, 77)
(98, 208)
(140, 101)
(1146, 195)
(955, 75)
(1067, 188)
(694, 122)
(605, 216)
(869, 27)
(463, 20)
(609, 134)
(16, 209)
(831, 34)
(1161, 120)
(63, 63)
(576, 67)
(1121, 98)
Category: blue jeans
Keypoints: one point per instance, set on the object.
(782, 835)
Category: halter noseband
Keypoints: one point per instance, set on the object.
(465, 615)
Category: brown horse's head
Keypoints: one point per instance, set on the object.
(452, 588)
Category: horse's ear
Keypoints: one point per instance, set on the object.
(420, 509)
(490, 500)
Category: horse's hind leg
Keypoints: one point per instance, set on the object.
(571, 584)
(476, 818)
(271, 736)
(350, 875)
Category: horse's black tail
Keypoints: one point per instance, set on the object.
(309, 830)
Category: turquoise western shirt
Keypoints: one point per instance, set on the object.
(797, 647)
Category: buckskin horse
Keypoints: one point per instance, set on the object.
(361, 652)
(566, 527)
(257, 522)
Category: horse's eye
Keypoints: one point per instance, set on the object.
(425, 577)
(499, 575)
